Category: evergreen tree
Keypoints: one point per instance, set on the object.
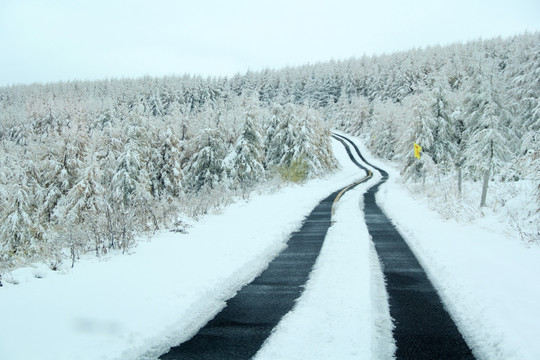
(490, 137)
(359, 114)
(526, 90)
(417, 126)
(271, 144)
(245, 163)
(80, 213)
(281, 138)
(56, 182)
(127, 176)
(205, 167)
(382, 130)
(19, 230)
(166, 163)
(311, 142)
(444, 149)
(85, 198)
(460, 135)
(129, 190)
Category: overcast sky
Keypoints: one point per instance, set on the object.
(61, 40)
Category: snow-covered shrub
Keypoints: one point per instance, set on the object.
(297, 171)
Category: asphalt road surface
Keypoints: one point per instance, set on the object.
(240, 329)
(423, 327)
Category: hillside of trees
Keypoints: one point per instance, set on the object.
(89, 166)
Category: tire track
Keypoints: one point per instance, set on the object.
(423, 327)
(240, 329)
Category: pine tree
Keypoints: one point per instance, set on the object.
(245, 163)
(460, 135)
(382, 130)
(525, 85)
(312, 142)
(358, 115)
(419, 128)
(109, 145)
(526, 90)
(129, 190)
(205, 167)
(85, 198)
(126, 179)
(166, 164)
(79, 215)
(280, 136)
(490, 137)
(271, 145)
(55, 179)
(444, 147)
(18, 225)
(296, 138)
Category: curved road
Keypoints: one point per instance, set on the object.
(423, 327)
(240, 329)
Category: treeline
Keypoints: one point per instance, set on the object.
(81, 172)
(88, 165)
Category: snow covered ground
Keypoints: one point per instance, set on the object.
(136, 306)
(486, 275)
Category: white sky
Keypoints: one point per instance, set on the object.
(60, 40)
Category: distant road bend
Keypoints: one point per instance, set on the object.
(240, 329)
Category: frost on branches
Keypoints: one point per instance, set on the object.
(89, 166)
(94, 175)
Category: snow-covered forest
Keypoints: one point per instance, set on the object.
(89, 166)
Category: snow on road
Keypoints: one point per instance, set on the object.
(343, 299)
(136, 306)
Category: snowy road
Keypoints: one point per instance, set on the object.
(423, 327)
(241, 328)
(178, 282)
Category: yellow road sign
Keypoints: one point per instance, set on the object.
(417, 149)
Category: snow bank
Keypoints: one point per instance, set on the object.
(136, 306)
(486, 276)
(335, 316)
